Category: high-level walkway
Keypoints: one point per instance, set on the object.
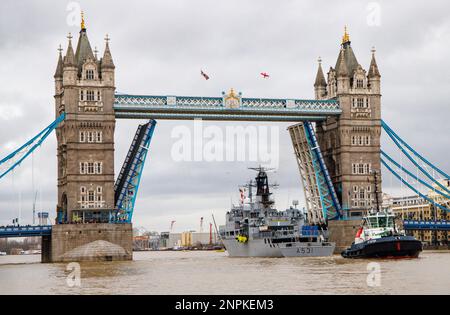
(231, 106)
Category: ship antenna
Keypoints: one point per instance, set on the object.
(250, 191)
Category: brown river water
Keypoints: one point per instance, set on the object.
(198, 272)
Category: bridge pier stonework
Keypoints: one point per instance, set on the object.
(84, 91)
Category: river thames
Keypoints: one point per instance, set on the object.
(198, 272)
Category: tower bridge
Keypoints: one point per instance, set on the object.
(336, 157)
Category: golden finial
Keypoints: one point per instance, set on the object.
(346, 37)
(82, 21)
(232, 92)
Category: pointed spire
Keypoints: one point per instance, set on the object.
(320, 78)
(84, 50)
(107, 61)
(59, 67)
(69, 59)
(342, 70)
(373, 69)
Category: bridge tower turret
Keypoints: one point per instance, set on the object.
(84, 90)
(350, 143)
(320, 85)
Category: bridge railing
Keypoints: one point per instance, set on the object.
(24, 231)
(442, 225)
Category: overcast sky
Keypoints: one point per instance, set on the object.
(159, 48)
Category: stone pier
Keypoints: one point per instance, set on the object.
(88, 242)
(343, 233)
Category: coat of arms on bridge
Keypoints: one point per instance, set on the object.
(232, 100)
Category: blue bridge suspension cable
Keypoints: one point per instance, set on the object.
(29, 146)
(384, 154)
(412, 187)
(397, 140)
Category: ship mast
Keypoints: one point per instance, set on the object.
(263, 187)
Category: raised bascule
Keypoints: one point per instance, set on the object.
(337, 157)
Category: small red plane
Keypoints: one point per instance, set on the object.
(204, 75)
(264, 75)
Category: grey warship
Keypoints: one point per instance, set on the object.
(256, 229)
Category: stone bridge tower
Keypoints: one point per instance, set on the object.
(351, 142)
(84, 90)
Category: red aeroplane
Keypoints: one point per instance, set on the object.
(264, 75)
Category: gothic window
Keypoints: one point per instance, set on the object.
(90, 95)
(98, 167)
(81, 95)
(359, 83)
(82, 168)
(360, 102)
(82, 136)
(90, 168)
(359, 140)
(99, 97)
(91, 198)
(90, 136)
(99, 136)
(89, 74)
(361, 168)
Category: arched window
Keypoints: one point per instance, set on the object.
(359, 83)
(89, 74)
